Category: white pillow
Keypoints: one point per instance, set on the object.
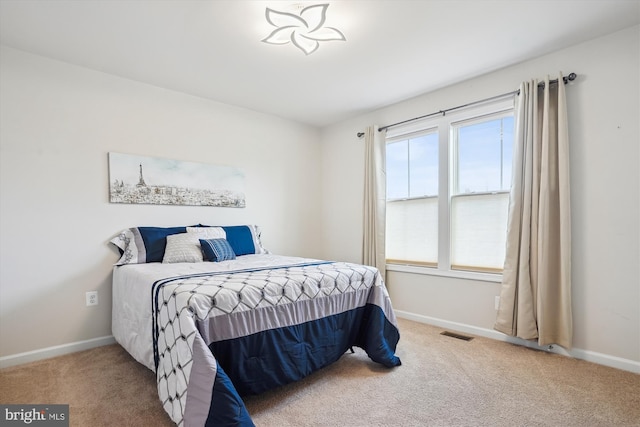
(183, 247)
(208, 232)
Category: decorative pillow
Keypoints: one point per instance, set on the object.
(244, 239)
(217, 250)
(183, 247)
(140, 245)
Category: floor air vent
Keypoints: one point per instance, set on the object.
(458, 336)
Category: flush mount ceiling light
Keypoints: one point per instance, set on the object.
(305, 30)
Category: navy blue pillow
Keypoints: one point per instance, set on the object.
(240, 239)
(155, 240)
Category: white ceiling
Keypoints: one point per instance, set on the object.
(394, 50)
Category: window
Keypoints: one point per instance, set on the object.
(412, 199)
(448, 182)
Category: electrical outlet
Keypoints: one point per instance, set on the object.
(497, 302)
(92, 298)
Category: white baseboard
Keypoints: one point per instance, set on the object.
(58, 350)
(590, 356)
(576, 353)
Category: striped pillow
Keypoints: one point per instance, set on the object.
(217, 250)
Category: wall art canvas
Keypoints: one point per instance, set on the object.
(153, 180)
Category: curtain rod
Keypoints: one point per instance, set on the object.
(565, 79)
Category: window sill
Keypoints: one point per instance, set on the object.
(468, 275)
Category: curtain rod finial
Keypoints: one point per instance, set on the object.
(571, 77)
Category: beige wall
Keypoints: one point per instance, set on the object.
(58, 122)
(603, 114)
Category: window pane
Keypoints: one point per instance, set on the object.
(484, 151)
(398, 170)
(479, 230)
(412, 230)
(423, 166)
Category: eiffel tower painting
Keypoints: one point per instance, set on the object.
(173, 182)
(141, 183)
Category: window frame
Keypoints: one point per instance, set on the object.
(444, 125)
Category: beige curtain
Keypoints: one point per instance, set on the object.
(535, 299)
(373, 249)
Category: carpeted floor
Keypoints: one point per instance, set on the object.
(443, 381)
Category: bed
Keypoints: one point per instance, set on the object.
(217, 317)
